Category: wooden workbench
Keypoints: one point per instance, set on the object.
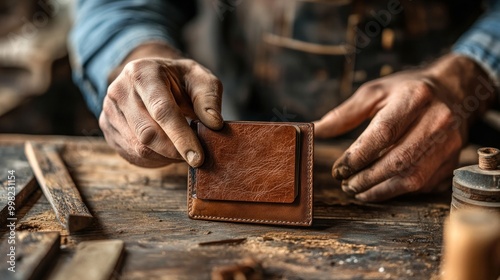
(146, 208)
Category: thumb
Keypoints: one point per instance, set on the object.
(362, 105)
(205, 91)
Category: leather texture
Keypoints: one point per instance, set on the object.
(239, 168)
(254, 172)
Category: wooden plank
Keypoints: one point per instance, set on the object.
(97, 260)
(30, 256)
(146, 208)
(21, 181)
(58, 186)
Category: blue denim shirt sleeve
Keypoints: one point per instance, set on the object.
(482, 42)
(106, 31)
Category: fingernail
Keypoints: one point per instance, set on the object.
(192, 158)
(341, 172)
(361, 197)
(348, 189)
(214, 114)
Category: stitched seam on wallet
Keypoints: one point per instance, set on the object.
(309, 173)
(190, 197)
(251, 220)
(309, 188)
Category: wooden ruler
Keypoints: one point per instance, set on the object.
(58, 186)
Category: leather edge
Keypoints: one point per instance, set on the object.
(190, 197)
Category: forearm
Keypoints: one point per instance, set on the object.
(464, 85)
(481, 44)
(107, 31)
(470, 75)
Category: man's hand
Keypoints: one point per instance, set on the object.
(419, 122)
(146, 106)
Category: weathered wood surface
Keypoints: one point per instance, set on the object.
(58, 186)
(12, 158)
(146, 208)
(33, 254)
(96, 260)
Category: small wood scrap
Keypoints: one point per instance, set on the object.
(58, 186)
(97, 260)
(17, 184)
(471, 245)
(30, 256)
(248, 269)
(235, 241)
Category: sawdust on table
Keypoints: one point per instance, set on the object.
(45, 221)
(294, 252)
(287, 240)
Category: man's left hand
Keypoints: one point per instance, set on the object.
(419, 123)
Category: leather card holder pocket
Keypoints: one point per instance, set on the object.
(253, 172)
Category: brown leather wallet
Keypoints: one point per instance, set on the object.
(254, 172)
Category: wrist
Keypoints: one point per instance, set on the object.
(153, 50)
(463, 84)
(146, 50)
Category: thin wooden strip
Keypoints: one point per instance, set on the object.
(342, 49)
(58, 186)
(22, 192)
(224, 241)
(29, 256)
(17, 181)
(96, 260)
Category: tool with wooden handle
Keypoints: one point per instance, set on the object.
(471, 245)
(58, 186)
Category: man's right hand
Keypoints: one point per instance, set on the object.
(145, 110)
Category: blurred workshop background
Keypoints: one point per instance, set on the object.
(37, 95)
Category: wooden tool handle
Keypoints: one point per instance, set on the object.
(471, 246)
